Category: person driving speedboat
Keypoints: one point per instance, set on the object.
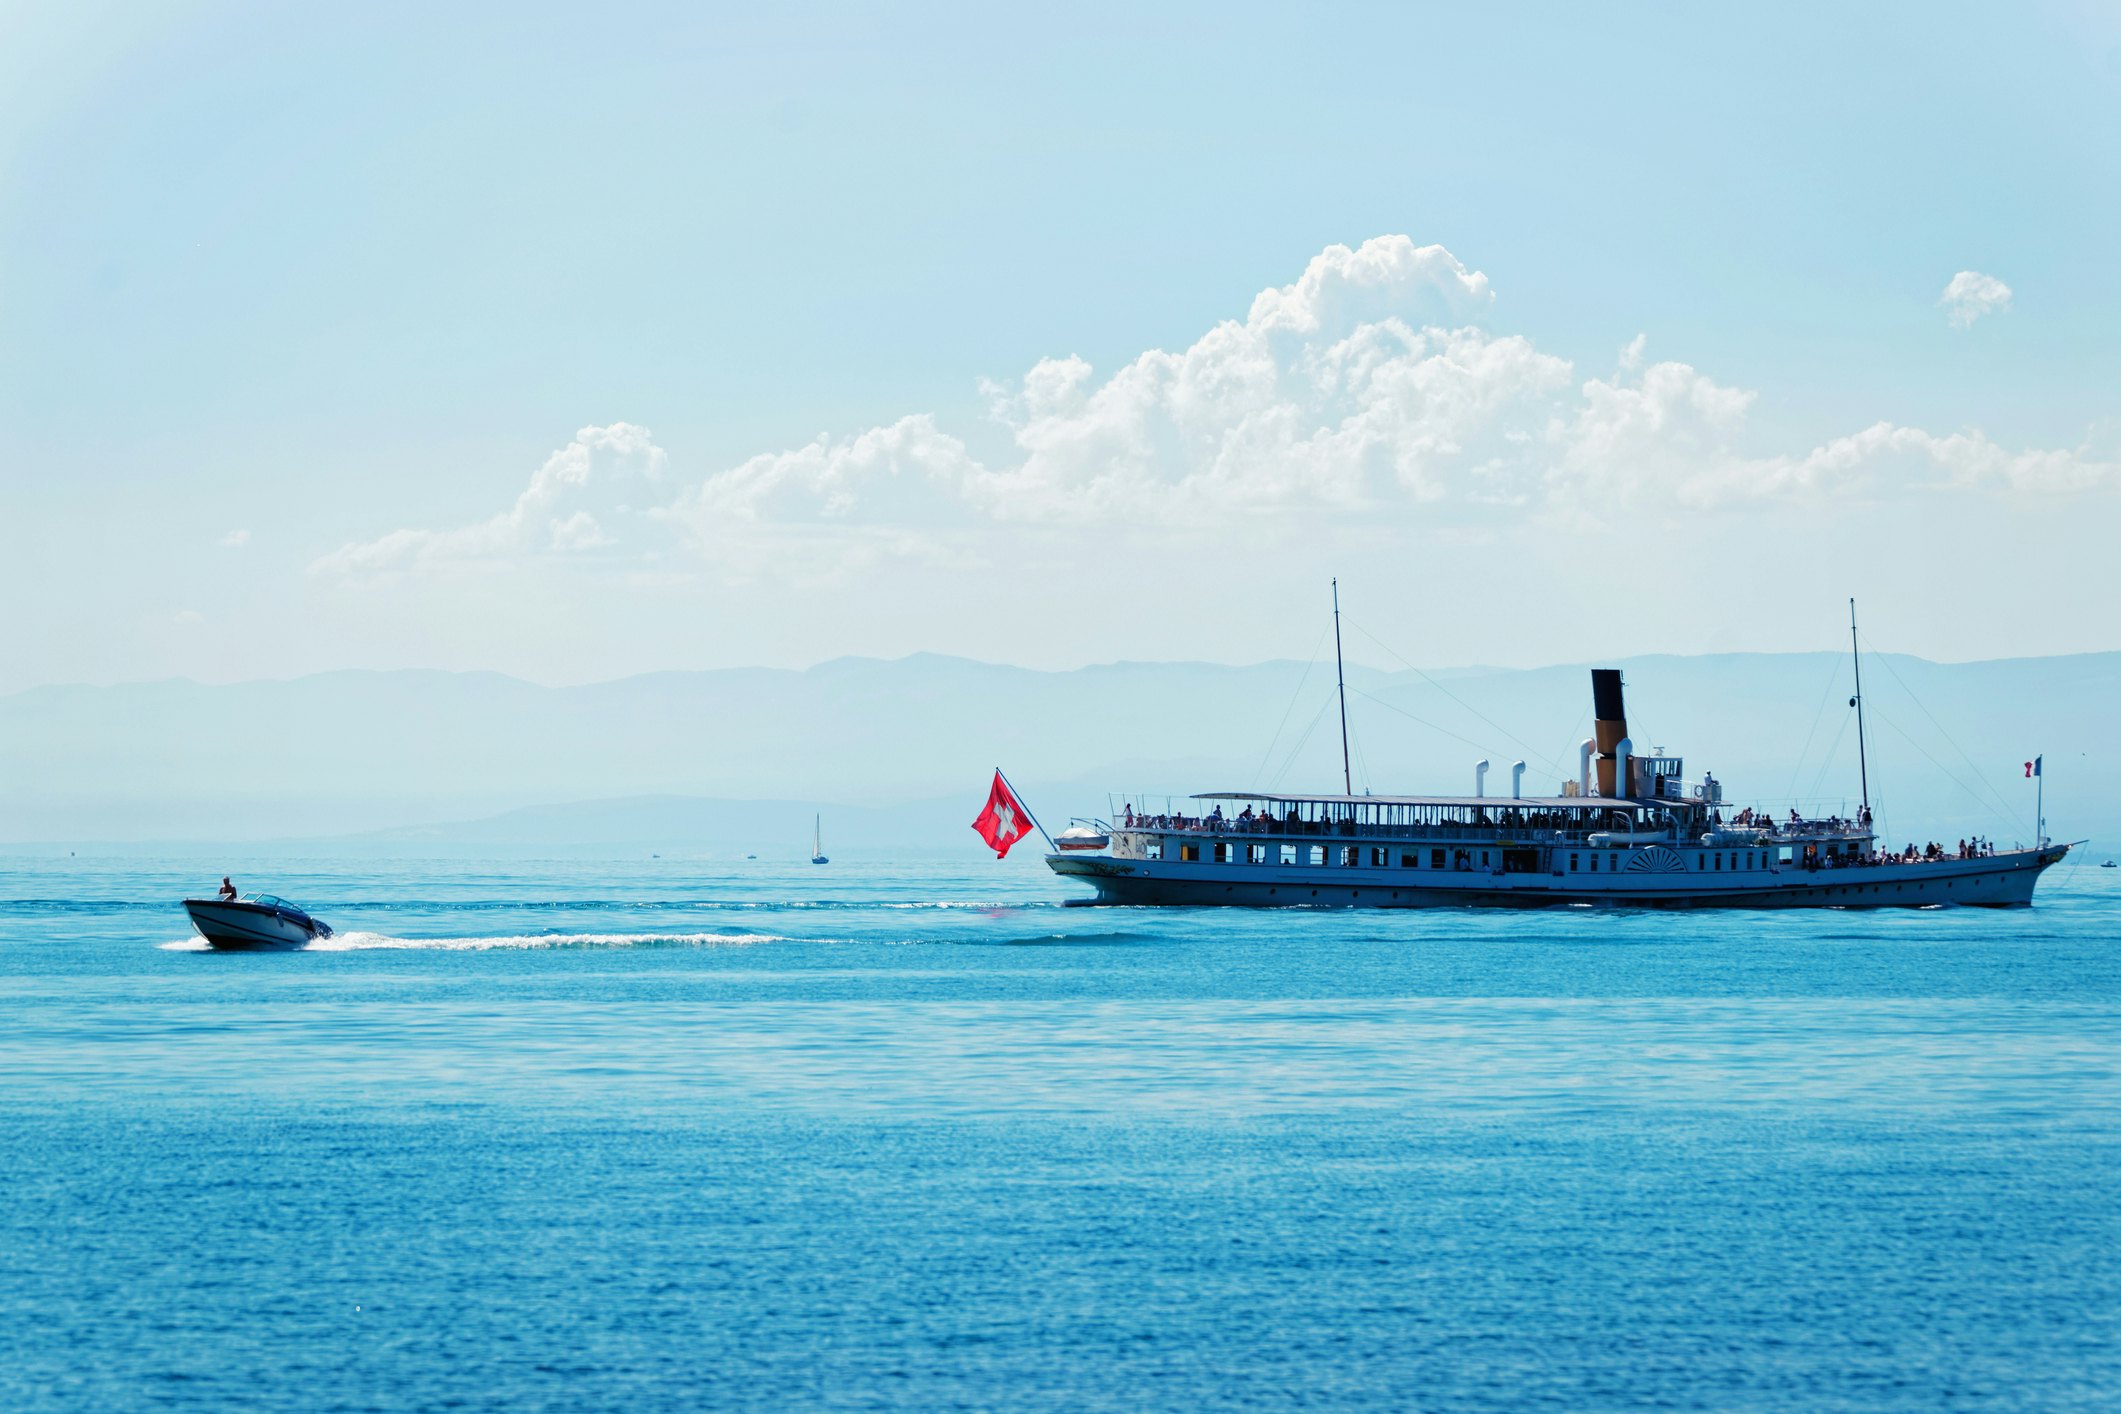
(228, 890)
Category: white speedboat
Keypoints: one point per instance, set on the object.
(253, 921)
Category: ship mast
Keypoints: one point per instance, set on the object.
(1862, 762)
(1340, 684)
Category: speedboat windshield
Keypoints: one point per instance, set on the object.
(273, 901)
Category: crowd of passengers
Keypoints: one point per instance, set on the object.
(1250, 821)
(1974, 848)
(1265, 822)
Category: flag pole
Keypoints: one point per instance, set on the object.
(2039, 803)
(1863, 764)
(1051, 847)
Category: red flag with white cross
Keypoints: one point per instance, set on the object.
(1004, 821)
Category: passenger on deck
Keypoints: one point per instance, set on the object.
(227, 891)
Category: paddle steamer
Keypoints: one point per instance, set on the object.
(1631, 830)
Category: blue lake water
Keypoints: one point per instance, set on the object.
(885, 1134)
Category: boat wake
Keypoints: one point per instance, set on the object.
(365, 942)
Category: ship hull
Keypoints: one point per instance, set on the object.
(1994, 881)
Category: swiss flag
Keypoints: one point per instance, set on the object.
(1004, 821)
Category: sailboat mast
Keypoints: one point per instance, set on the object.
(1863, 767)
(1340, 685)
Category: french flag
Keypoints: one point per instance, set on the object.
(2032, 768)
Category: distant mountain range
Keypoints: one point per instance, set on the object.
(902, 749)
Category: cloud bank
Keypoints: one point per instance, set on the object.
(1368, 391)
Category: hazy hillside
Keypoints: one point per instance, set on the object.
(345, 753)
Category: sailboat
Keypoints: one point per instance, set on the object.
(817, 840)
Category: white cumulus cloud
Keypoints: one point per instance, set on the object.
(1972, 294)
(605, 478)
(1369, 391)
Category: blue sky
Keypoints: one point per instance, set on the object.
(280, 284)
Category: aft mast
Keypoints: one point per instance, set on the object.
(1863, 768)
(1340, 684)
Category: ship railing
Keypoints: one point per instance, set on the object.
(1310, 830)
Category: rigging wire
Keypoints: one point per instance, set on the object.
(1495, 726)
(1355, 738)
(1273, 740)
(1995, 797)
(1942, 769)
(1827, 764)
(1297, 750)
(1389, 707)
(1797, 767)
(1575, 736)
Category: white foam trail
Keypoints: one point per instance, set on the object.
(357, 942)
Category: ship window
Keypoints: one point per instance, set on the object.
(1189, 853)
(1410, 859)
(1154, 849)
(1288, 854)
(1701, 861)
(1719, 860)
(1572, 864)
(1380, 856)
(1350, 855)
(1222, 852)
(1318, 854)
(1484, 858)
(1255, 854)
(1436, 859)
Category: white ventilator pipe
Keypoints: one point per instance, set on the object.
(1621, 752)
(1517, 780)
(1480, 777)
(1583, 767)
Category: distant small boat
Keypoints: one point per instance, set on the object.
(817, 840)
(2108, 865)
(253, 921)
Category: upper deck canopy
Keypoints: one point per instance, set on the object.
(1525, 802)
